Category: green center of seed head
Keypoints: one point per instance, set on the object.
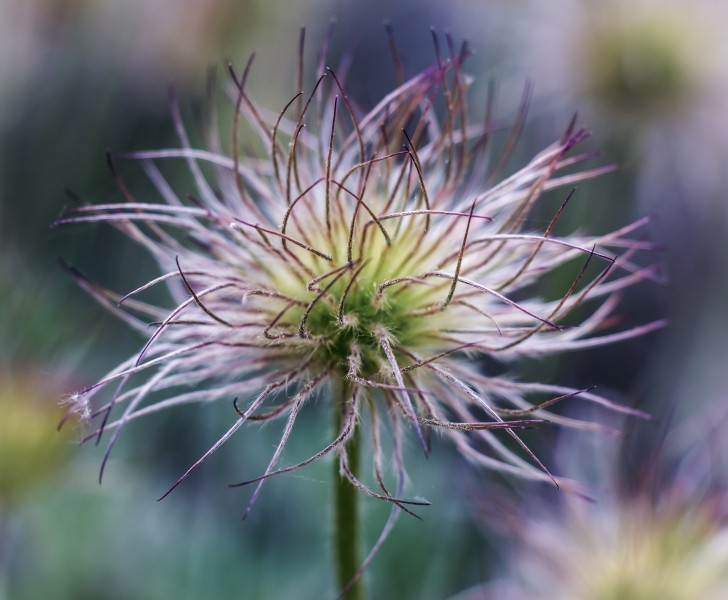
(356, 330)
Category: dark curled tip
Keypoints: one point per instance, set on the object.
(233, 76)
(109, 161)
(240, 83)
(237, 408)
(570, 128)
(73, 196)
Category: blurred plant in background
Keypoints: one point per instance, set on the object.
(630, 549)
(29, 411)
(660, 535)
(649, 73)
(28, 455)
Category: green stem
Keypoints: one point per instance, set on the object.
(347, 546)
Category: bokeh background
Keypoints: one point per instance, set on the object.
(78, 77)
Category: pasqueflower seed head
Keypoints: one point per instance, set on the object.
(370, 258)
(630, 548)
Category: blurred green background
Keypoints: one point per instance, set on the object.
(78, 77)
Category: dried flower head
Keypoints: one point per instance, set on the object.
(369, 257)
(652, 74)
(632, 548)
(646, 61)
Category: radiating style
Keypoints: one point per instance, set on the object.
(370, 259)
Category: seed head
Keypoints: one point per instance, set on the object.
(379, 254)
(629, 548)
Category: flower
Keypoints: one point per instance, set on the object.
(634, 548)
(652, 74)
(30, 455)
(654, 527)
(646, 62)
(377, 256)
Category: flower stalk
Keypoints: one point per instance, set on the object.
(347, 521)
(367, 253)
